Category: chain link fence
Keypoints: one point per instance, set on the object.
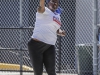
(84, 36)
(74, 52)
(98, 21)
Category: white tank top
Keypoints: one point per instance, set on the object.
(46, 26)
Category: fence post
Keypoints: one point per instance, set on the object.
(95, 51)
(59, 54)
(21, 54)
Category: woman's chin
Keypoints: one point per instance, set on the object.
(52, 9)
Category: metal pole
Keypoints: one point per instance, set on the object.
(21, 54)
(59, 54)
(95, 51)
(20, 12)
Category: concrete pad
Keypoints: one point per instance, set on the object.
(26, 73)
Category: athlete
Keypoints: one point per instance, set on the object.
(41, 46)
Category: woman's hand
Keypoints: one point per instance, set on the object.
(61, 32)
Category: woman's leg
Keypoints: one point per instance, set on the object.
(49, 60)
(36, 57)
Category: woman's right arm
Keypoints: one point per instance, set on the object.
(41, 7)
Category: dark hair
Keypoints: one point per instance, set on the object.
(49, 1)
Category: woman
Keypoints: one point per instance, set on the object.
(41, 46)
